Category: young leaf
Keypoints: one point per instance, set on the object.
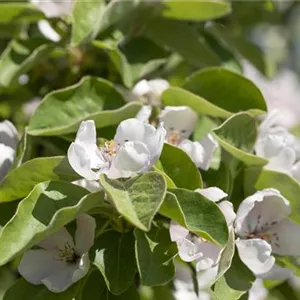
(154, 254)
(47, 208)
(217, 84)
(116, 260)
(62, 111)
(20, 181)
(237, 135)
(180, 168)
(198, 214)
(195, 10)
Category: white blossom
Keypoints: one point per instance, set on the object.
(134, 149)
(46, 29)
(8, 144)
(192, 247)
(60, 261)
(54, 8)
(180, 122)
(263, 228)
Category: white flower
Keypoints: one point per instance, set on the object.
(144, 113)
(258, 291)
(180, 122)
(30, 107)
(46, 29)
(262, 227)
(60, 262)
(8, 144)
(54, 8)
(135, 149)
(91, 185)
(275, 143)
(150, 91)
(191, 247)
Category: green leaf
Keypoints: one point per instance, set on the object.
(258, 179)
(92, 98)
(47, 208)
(95, 289)
(180, 168)
(217, 84)
(169, 181)
(237, 135)
(235, 282)
(23, 290)
(154, 254)
(84, 26)
(20, 56)
(137, 199)
(116, 260)
(198, 214)
(175, 96)
(185, 42)
(19, 12)
(20, 181)
(195, 10)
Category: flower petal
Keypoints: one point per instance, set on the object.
(256, 255)
(187, 249)
(212, 193)
(284, 238)
(6, 159)
(277, 273)
(131, 159)
(58, 240)
(38, 264)
(296, 171)
(83, 268)
(8, 134)
(144, 113)
(283, 162)
(177, 232)
(258, 291)
(259, 211)
(228, 212)
(91, 185)
(180, 118)
(53, 8)
(85, 233)
(209, 145)
(46, 29)
(142, 88)
(194, 150)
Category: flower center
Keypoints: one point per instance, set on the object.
(109, 150)
(67, 254)
(174, 137)
(263, 236)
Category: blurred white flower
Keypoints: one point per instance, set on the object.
(281, 93)
(192, 247)
(8, 145)
(54, 8)
(60, 262)
(91, 185)
(180, 122)
(262, 227)
(280, 147)
(135, 149)
(258, 291)
(46, 29)
(30, 107)
(150, 91)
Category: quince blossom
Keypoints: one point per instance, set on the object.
(54, 8)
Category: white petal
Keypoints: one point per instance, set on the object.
(80, 161)
(144, 113)
(85, 233)
(258, 291)
(8, 134)
(256, 255)
(91, 185)
(228, 212)
(209, 145)
(277, 273)
(180, 118)
(177, 232)
(271, 119)
(187, 249)
(283, 162)
(296, 171)
(257, 212)
(211, 255)
(285, 238)
(83, 268)
(194, 150)
(58, 240)
(142, 88)
(54, 8)
(6, 159)
(132, 158)
(46, 29)
(61, 280)
(38, 264)
(212, 193)
(207, 277)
